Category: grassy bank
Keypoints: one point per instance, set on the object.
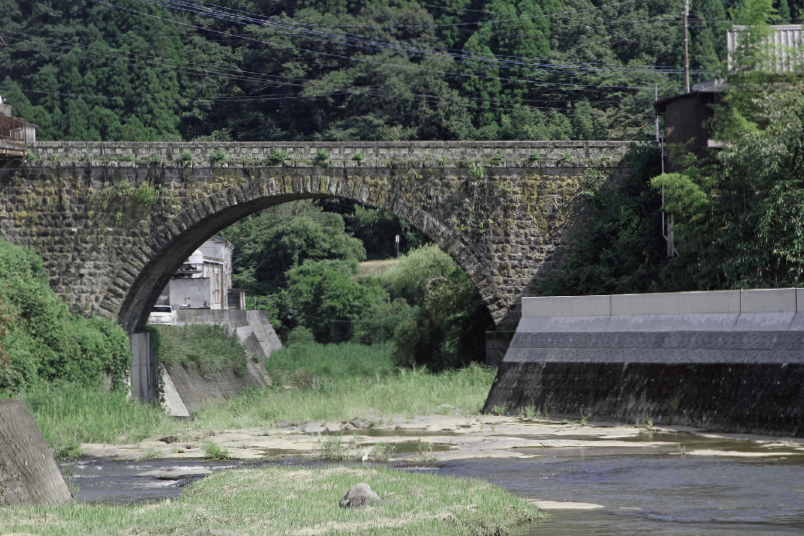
(293, 500)
(206, 348)
(311, 381)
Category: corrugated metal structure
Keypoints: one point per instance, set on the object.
(784, 47)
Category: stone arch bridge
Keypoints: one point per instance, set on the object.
(113, 221)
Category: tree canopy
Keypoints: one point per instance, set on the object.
(358, 70)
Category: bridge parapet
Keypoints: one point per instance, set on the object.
(519, 154)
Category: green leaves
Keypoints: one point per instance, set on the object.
(682, 195)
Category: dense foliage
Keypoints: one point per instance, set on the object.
(330, 69)
(207, 349)
(300, 264)
(40, 339)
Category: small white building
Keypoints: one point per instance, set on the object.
(204, 281)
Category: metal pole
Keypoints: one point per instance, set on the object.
(656, 121)
(686, 48)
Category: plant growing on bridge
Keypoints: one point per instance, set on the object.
(591, 181)
(185, 157)
(476, 171)
(277, 157)
(147, 194)
(359, 157)
(217, 157)
(321, 156)
(534, 156)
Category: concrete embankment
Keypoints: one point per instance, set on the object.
(186, 390)
(726, 360)
(28, 473)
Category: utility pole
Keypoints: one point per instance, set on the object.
(686, 47)
(656, 116)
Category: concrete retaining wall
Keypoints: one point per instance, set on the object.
(187, 390)
(728, 359)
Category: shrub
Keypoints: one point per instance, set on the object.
(217, 157)
(147, 194)
(277, 157)
(300, 335)
(185, 157)
(208, 348)
(43, 340)
(321, 156)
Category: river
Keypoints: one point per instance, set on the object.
(664, 484)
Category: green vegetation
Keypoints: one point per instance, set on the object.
(310, 381)
(301, 261)
(207, 348)
(342, 381)
(491, 69)
(737, 213)
(71, 414)
(41, 340)
(256, 501)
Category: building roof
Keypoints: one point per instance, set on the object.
(712, 86)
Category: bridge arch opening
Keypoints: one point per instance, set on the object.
(209, 217)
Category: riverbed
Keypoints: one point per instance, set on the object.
(594, 479)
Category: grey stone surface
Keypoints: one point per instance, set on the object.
(567, 306)
(753, 397)
(28, 473)
(732, 362)
(112, 255)
(676, 303)
(359, 495)
(196, 390)
(773, 300)
(651, 355)
(175, 474)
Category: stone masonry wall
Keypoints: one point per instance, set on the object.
(113, 221)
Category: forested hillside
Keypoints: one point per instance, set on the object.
(343, 70)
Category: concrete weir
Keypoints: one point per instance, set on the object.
(727, 360)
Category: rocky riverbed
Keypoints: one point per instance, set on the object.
(441, 439)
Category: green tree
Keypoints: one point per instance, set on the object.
(270, 243)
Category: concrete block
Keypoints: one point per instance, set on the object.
(800, 300)
(798, 323)
(144, 380)
(679, 303)
(773, 300)
(676, 322)
(173, 404)
(562, 324)
(564, 306)
(764, 322)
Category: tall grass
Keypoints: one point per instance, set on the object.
(208, 348)
(69, 414)
(311, 382)
(339, 382)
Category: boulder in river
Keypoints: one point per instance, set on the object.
(360, 495)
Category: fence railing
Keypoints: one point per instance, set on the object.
(12, 129)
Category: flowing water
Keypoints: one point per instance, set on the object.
(663, 491)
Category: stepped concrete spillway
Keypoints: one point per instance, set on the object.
(729, 360)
